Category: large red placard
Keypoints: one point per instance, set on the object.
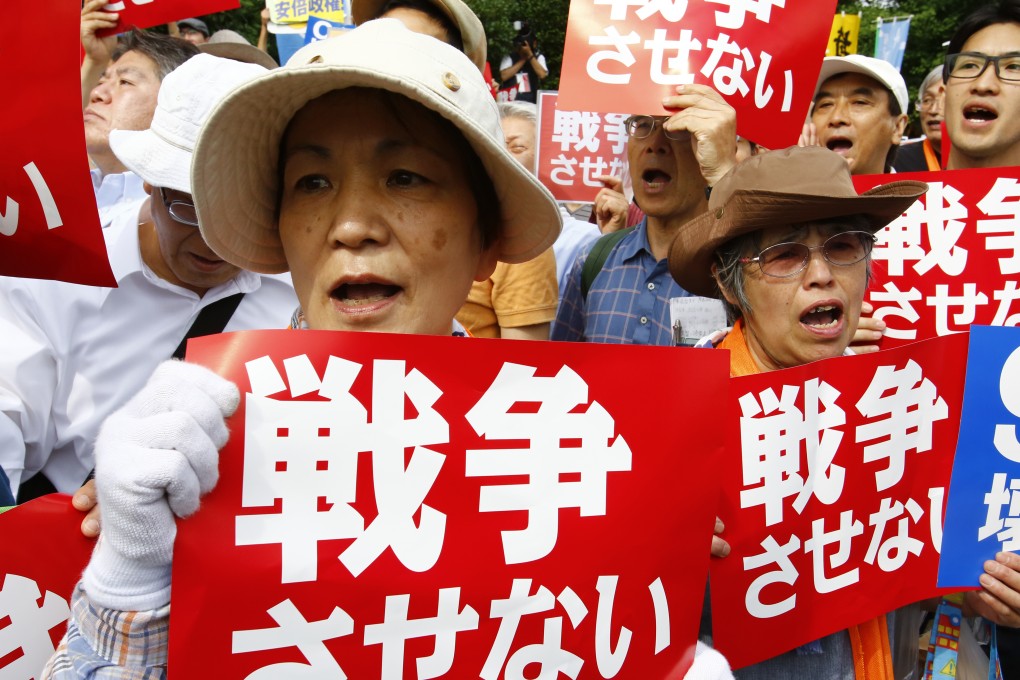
(627, 55)
(445, 505)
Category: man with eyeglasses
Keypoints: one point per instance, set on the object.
(982, 78)
(70, 355)
(673, 161)
(926, 153)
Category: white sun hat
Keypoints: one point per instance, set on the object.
(237, 156)
(161, 155)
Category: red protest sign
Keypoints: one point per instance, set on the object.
(833, 506)
(49, 224)
(629, 54)
(576, 147)
(147, 13)
(44, 553)
(422, 506)
(952, 259)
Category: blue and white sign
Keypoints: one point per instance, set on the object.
(891, 41)
(320, 28)
(983, 507)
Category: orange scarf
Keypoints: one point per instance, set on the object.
(929, 156)
(869, 641)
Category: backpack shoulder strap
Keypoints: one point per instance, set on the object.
(598, 256)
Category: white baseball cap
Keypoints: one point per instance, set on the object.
(237, 154)
(162, 154)
(879, 69)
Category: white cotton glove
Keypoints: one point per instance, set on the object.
(708, 665)
(155, 457)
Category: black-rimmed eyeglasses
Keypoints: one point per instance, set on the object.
(968, 65)
(783, 260)
(182, 211)
(640, 127)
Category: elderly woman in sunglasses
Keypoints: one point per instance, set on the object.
(786, 243)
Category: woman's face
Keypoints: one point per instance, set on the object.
(378, 221)
(808, 316)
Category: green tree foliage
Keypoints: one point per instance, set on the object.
(933, 22)
(548, 19)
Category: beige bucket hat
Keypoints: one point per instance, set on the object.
(235, 169)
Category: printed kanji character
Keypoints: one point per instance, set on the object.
(293, 630)
(968, 302)
(295, 452)
(900, 241)
(592, 168)
(674, 70)
(772, 433)
(1009, 294)
(548, 656)
(620, 54)
(300, 8)
(903, 309)
(843, 536)
(670, 10)
(563, 171)
(738, 9)
(727, 79)
(911, 406)
(945, 217)
(545, 460)
(615, 131)
(9, 218)
(578, 129)
(316, 7)
(774, 554)
(284, 9)
(332, 5)
(892, 552)
(618, 8)
(25, 639)
(842, 42)
(608, 659)
(396, 629)
(1003, 202)
(1005, 491)
(763, 93)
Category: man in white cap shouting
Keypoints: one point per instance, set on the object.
(859, 111)
(73, 354)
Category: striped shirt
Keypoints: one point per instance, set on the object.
(628, 302)
(109, 644)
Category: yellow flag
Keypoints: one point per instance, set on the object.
(843, 38)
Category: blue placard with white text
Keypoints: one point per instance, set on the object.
(983, 507)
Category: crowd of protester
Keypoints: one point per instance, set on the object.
(216, 220)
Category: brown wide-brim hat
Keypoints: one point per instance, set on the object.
(472, 33)
(775, 188)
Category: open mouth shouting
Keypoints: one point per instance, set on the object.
(840, 145)
(824, 319)
(655, 179)
(979, 114)
(363, 297)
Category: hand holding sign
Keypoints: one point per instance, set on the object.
(712, 123)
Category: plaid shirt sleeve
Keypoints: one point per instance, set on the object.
(569, 322)
(109, 644)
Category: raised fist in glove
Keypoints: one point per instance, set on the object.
(155, 457)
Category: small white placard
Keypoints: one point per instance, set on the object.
(692, 318)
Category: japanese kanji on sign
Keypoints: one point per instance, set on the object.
(44, 553)
(952, 259)
(835, 501)
(148, 13)
(394, 508)
(300, 11)
(983, 510)
(577, 147)
(49, 224)
(629, 54)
